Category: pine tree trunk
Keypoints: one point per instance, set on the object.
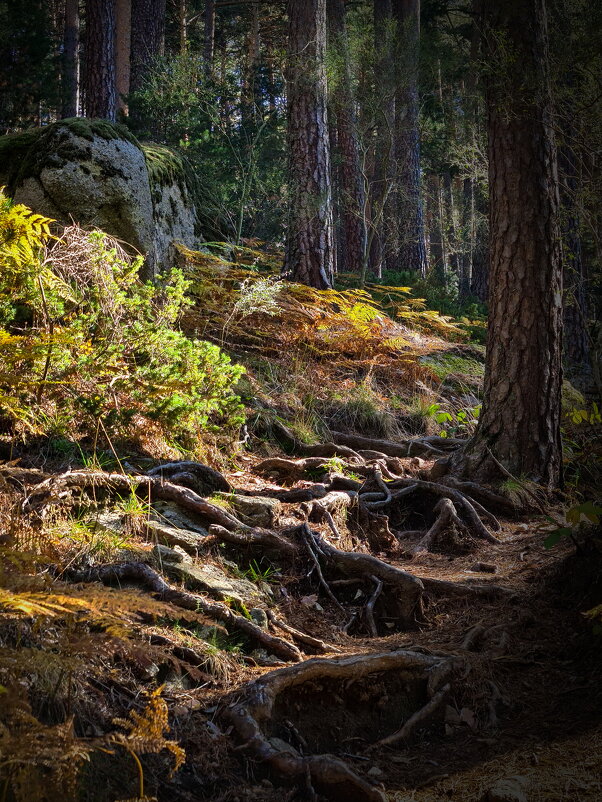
(347, 155)
(70, 80)
(479, 281)
(467, 224)
(410, 215)
(450, 224)
(309, 245)
(438, 260)
(123, 9)
(99, 85)
(183, 25)
(383, 174)
(576, 344)
(209, 37)
(148, 31)
(520, 420)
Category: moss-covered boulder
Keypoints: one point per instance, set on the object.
(98, 174)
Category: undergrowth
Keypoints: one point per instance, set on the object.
(87, 347)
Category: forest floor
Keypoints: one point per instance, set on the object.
(525, 697)
(328, 616)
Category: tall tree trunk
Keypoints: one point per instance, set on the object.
(183, 25)
(450, 223)
(410, 221)
(309, 245)
(467, 225)
(520, 421)
(99, 83)
(576, 344)
(123, 10)
(250, 95)
(209, 37)
(343, 118)
(147, 41)
(383, 156)
(479, 280)
(70, 77)
(438, 260)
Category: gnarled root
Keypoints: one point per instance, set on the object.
(198, 477)
(404, 588)
(446, 516)
(330, 776)
(149, 578)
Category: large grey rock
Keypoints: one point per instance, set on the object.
(173, 536)
(212, 580)
(97, 174)
(167, 512)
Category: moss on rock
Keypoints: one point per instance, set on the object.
(24, 155)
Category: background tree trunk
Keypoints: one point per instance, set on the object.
(520, 420)
(309, 245)
(99, 83)
(410, 214)
(383, 158)
(123, 10)
(347, 155)
(148, 31)
(208, 37)
(70, 73)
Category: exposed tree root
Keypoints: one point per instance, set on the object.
(316, 644)
(442, 587)
(198, 477)
(404, 588)
(446, 516)
(149, 578)
(329, 775)
(57, 488)
(415, 447)
(420, 717)
(265, 538)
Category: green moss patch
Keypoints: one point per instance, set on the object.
(443, 363)
(23, 155)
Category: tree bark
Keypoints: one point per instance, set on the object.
(70, 83)
(123, 10)
(438, 258)
(519, 426)
(347, 155)
(309, 247)
(208, 37)
(383, 160)
(99, 87)
(410, 214)
(148, 31)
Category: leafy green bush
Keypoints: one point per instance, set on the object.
(99, 341)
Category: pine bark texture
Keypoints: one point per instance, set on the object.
(309, 247)
(99, 87)
(520, 420)
(576, 344)
(410, 224)
(123, 10)
(347, 154)
(70, 59)
(148, 31)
